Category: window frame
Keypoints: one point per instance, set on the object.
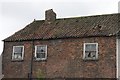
(14, 52)
(45, 52)
(84, 50)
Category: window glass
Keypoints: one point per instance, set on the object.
(90, 47)
(18, 49)
(90, 51)
(17, 52)
(41, 52)
(40, 55)
(40, 49)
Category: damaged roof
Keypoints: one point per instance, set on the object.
(89, 26)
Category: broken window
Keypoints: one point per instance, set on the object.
(41, 52)
(90, 51)
(18, 52)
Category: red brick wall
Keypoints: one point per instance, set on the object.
(64, 59)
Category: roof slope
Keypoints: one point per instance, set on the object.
(100, 25)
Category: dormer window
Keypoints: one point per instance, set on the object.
(18, 52)
(41, 52)
(90, 51)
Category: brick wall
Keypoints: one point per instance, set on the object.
(64, 59)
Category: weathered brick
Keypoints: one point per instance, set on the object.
(64, 59)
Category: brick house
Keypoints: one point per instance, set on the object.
(80, 47)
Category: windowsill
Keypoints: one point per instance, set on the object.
(17, 60)
(40, 60)
(90, 59)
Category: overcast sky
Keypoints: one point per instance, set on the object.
(15, 15)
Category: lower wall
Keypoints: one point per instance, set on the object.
(64, 59)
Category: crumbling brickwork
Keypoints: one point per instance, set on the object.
(64, 59)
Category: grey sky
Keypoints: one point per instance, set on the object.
(14, 15)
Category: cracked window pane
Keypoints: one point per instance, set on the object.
(90, 51)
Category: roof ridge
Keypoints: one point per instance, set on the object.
(82, 16)
(88, 16)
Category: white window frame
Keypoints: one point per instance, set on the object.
(14, 55)
(45, 52)
(84, 54)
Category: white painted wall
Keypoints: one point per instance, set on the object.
(118, 57)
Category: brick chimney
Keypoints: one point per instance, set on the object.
(50, 15)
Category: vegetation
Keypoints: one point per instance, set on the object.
(40, 75)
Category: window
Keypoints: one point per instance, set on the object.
(18, 52)
(41, 52)
(90, 51)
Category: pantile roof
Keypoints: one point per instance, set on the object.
(88, 26)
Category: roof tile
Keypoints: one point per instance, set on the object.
(100, 25)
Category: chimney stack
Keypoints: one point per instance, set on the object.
(50, 15)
